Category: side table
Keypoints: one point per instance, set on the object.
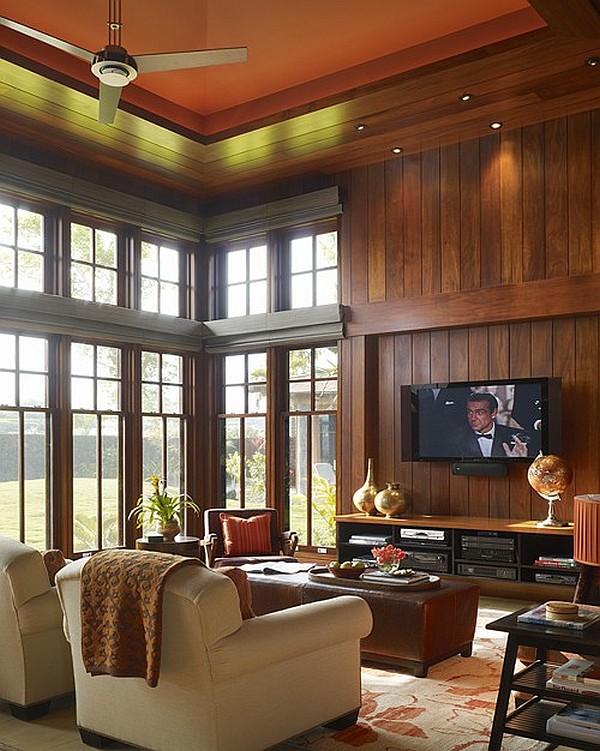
(181, 545)
(529, 719)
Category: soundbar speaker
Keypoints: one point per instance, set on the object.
(480, 469)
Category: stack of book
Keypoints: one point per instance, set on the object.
(578, 675)
(555, 561)
(557, 570)
(586, 615)
(578, 721)
(414, 577)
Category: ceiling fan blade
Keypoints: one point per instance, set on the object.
(108, 103)
(72, 49)
(192, 59)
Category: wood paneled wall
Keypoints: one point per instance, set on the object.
(500, 216)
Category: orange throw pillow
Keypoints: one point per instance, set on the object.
(251, 536)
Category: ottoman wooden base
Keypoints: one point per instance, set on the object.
(411, 630)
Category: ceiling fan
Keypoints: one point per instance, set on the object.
(115, 67)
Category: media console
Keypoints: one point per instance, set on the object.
(502, 554)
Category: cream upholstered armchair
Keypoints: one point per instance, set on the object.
(233, 537)
(35, 660)
(225, 684)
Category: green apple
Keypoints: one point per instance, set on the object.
(334, 564)
(358, 564)
(346, 564)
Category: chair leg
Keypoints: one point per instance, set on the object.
(95, 740)
(32, 712)
(343, 722)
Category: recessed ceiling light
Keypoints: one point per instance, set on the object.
(360, 126)
(495, 125)
(465, 97)
(397, 150)
(593, 61)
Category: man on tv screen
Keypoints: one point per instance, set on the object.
(483, 436)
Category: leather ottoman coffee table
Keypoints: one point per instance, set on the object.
(411, 629)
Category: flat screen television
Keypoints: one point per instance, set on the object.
(510, 420)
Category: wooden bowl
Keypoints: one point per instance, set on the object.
(347, 573)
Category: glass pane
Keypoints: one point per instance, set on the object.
(32, 354)
(150, 397)
(235, 369)
(232, 462)
(171, 368)
(108, 361)
(297, 433)
(149, 260)
(326, 362)
(258, 298)
(85, 487)
(323, 505)
(81, 243)
(169, 299)
(8, 347)
(169, 264)
(111, 534)
(150, 363)
(152, 437)
(35, 437)
(106, 286)
(82, 280)
(302, 292)
(299, 363)
(236, 301)
(82, 359)
(255, 470)
(301, 258)
(30, 232)
(8, 392)
(33, 390)
(300, 397)
(258, 262)
(172, 399)
(106, 248)
(9, 479)
(108, 396)
(174, 454)
(149, 299)
(236, 266)
(326, 250)
(7, 225)
(234, 400)
(257, 366)
(327, 292)
(326, 395)
(7, 267)
(82, 393)
(257, 398)
(30, 274)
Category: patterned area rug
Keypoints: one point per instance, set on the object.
(450, 710)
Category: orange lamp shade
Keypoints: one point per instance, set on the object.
(586, 529)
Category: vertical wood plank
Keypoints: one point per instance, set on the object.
(450, 218)
(579, 193)
(511, 207)
(470, 216)
(491, 244)
(376, 232)
(394, 229)
(573, 450)
(402, 374)
(430, 230)
(389, 385)
(595, 190)
(422, 374)
(556, 198)
(356, 237)
(534, 234)
(412, 225)
(439, 471)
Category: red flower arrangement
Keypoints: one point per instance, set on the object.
(388, 557)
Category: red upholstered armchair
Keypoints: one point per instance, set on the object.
(233, 537)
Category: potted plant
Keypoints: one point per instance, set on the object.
(162, 509)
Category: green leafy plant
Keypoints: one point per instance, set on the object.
(160, 506)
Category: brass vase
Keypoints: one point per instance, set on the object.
(364, 497)
(392, 500)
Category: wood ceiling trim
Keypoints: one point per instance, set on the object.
(576, 18)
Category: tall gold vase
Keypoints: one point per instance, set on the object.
(364, 497)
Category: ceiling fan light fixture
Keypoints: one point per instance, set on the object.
(114, 74)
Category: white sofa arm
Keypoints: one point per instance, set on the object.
(285, 634)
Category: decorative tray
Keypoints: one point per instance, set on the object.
(323, 576)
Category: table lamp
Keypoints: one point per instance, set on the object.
(586, 547)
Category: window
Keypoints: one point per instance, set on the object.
(313, 269)
(244, 430)
(163, 423)
(25, 439)
(97, 429)
(312, 419)
(21, 248)
(93, 264)
(160, 278)
(246, 280)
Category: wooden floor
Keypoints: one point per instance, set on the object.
(57, 731)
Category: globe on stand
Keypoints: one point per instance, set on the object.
(549, 476)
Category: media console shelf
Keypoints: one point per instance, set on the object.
(500, 553)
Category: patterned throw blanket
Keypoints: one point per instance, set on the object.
(121, 611)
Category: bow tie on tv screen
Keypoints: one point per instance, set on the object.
(484, 435)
